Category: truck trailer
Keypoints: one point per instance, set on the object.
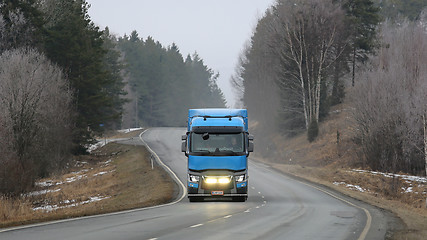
(217, 145)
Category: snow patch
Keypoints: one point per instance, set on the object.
(75, 178)
(128, 130)
(106, 163)
(95, 146)
(351, 186)
(41, 192)
(45, 184)
(102, 173)
(408, 178)
(69, 203)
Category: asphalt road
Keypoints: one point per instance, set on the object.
(278, 207)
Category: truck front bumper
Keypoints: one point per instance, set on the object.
(210, 195)
(203, 188)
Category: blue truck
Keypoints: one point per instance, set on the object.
(217, 144)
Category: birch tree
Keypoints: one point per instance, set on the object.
(305, 32)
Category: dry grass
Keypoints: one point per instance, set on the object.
(325, 161)
(116, 177)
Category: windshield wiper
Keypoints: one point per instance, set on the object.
(202, 152)
(228, 152)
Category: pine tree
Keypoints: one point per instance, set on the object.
(22, 24)
(76, 44)
(164, 84)
(115, 85)
(363, 18)
(393, 9)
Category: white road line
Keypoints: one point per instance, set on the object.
(368, 215)
(229, 216)
(184, 189)
(197, 225)
(248, 211)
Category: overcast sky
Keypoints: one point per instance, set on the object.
(216, 29)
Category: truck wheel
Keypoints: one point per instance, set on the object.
(239, 199)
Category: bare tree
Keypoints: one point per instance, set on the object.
(390, 103)
(304, 35)
(236, 80)
(35, 105)
(258, 69)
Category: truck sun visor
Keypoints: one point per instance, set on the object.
(217, 129)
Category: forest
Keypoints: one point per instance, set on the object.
(306, 56)
(64, 82)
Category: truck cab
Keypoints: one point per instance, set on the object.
(217, 144)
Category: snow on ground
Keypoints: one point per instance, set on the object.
(103, 142)
(70, 203)
(47, 183)
(408, 178)
(97, 145)
(106, 163)
(102, 173)
(81, 171)
(78, 176)
(411, 180)
(351, 186)
(407, 190)
(41, 192)
(129, 130)
(74, 178)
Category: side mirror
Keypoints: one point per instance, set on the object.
(251, 147)
(183, 147)
(251, 137)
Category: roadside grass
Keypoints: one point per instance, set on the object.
(337, 165)
(113, 178)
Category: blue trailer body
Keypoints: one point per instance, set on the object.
(217, 144)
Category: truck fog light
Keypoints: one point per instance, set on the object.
(211, 180)
(224, 180)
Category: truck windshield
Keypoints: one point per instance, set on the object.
(217, 144)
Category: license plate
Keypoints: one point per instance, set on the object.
(217, 193)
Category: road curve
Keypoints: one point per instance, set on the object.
(278, 207)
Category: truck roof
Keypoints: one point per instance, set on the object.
(218, 112)
(218, 117)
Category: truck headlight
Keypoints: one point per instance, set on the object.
(193, 178)
(241, 178)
